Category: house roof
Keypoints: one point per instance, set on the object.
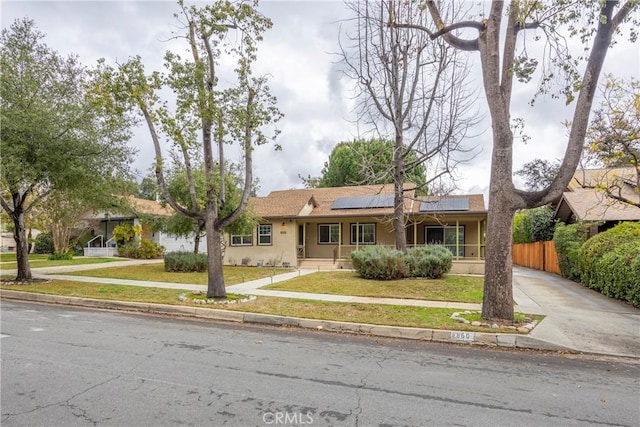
(361, 200)
(149, 207)
(590, 196)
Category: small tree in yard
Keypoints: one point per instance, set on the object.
(505, 57)
(214, 107)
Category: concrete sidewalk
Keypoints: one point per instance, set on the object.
(577, 318)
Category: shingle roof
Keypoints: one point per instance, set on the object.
(149, 207)
(589, 204)
(453, 203)
(292, 203)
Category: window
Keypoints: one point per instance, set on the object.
(264, 234)
(364, 234)
(446, 235)
(328, 233)
(241, 240)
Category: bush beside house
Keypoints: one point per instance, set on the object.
(609, 262)
(185, 262)
(381, 263)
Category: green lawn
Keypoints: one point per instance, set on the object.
(11, 256)
(377, 314)
(43, 261)
(156, 273)
(450, 288)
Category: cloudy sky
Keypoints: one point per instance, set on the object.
(298, 54)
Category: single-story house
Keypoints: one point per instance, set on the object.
(102, 223)
(320, 227)
(603, 197)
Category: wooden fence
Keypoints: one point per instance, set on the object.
(538, 255)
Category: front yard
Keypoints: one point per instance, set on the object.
(156, 273)
(450, 288)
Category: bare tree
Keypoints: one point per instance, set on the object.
(411, 90)
(504, 56)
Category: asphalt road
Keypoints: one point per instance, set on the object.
(73, 367)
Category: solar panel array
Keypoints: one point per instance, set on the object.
(445, 204)
(364, 202)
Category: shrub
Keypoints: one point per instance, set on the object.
(379, 263)
(185, 262)
(593, 272)
(568, 239)
(534, 225)
(43, 244)
(145, 249)
(430, 261)
(59, 257)
(124, 233)
(618, 272)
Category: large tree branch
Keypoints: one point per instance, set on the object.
(602, 40)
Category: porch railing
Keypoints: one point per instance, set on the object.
(344, 251)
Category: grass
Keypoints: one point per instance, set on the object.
(377, 314)
(450, 288)
(43, 261)
(11, 256)
(156, 273)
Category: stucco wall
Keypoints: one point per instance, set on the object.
(282, 248)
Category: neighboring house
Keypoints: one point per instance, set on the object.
(102, 223)
(603, 197)
(320, 227)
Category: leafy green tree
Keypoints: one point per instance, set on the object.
(363, 161)
(507, 57)
(55, 136)
(534, 225)
(218, 101)
(538, 173)
(184, 226)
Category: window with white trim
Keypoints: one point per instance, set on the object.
(328, 234)
(241, 240)
(264, 234)
(363, 234)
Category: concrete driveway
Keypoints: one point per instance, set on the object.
(577, 317)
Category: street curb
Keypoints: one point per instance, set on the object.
(419, 334)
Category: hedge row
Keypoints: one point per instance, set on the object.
(380, 263)
(609, 262)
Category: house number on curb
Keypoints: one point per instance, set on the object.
(463, 336)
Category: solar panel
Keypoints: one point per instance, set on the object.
(364, 202)
(445, 204)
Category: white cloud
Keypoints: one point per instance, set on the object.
(297, 53)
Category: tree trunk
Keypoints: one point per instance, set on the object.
(398, 197)
(196, 243)
(215, 283)
(498, 291)
(22, 245)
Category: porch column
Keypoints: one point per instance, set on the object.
(357, 234)
(415, 234)
(340, 241)
(479, 237)
(457, 239)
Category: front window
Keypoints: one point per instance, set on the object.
(364, 234)
(264, 234)
(241, 240)
(328, 233)
(446, 235)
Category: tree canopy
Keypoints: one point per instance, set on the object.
(218, 102)
(55, 136)
(365, 161)
(507, 58)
